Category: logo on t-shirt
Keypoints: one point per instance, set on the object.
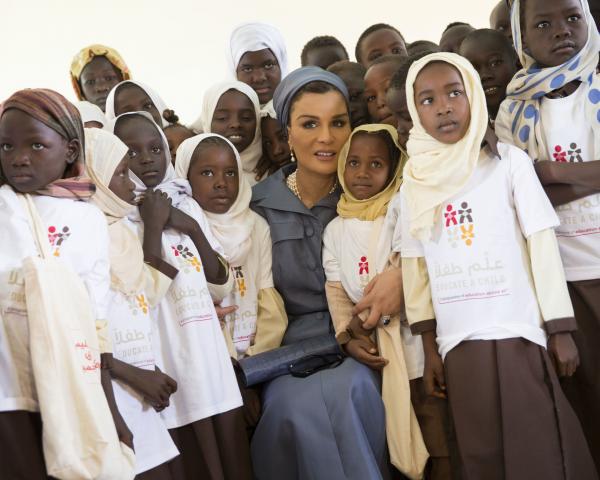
(363, 271)
(137, 304)
(240, 281)
(564, 155)
(56, 237)
(186, 258)
(459, 224)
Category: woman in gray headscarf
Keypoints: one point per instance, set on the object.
(331, 424)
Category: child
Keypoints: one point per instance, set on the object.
(484, 284)
(370, 172)
(91, 115)
(176, 133)
(139, 386)
(353, 76)
(453, 36)
(551, 112)
(258, 57)
(495, 60)
(202, 415)
(231, 109)
(377, 81)
(95, 70)
(420, 46)
(378, 40)
(41, 154)
(134, 96)
(212, 164)
(323, 51)
(500, 19)
(275, 146)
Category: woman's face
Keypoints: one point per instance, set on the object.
(318, 128)
(33, 155)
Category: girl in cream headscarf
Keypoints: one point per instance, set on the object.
(484, 284)
(355, 249)
(136, 287)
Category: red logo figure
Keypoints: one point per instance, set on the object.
(450, 216)
(363, 266)
(559, 155)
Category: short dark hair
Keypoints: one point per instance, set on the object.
(318, 42)
(496, 36)
(457, 24)
(212, 142)
(373, 28)
(421, 46)
(389, 58)
(398, 81)
(347, 65)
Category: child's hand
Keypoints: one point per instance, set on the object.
(365, 352)
(155, 208)
(181, 222)
(155, 386)
(563, 353)
(433, 375)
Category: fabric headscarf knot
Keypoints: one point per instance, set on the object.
(370, 208)
(436, 171)
(289, 86)
(86, 55)
(158, 102)
(521, 109)
(232, 229)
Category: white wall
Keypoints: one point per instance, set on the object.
(178, 46)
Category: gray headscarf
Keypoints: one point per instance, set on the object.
(289, 86)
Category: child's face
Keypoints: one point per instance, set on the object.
(325, 56)
(213, 176)
(97, 79)
(500, 19)
(379, 43)
(495, 66)
(377, 81)
(275, 142)
(235, 119)
(147, 157)
(261, 71)
(368, 166)
(33, 155)
(131, 98)
(555, 30)
(396, 100)
(120, 183)
(453, 37)
(442, 102)
(355, 83)
(175, 137)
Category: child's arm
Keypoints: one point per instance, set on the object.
(557, 177)
(554, 301)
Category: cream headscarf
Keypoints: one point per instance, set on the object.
(254, 36)
(252, 154)
(436, 171)
(232, 229)
(158, 102)
(90, 113)
(376, 206)
(104, 152)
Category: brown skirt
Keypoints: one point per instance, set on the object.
(214, 448)
(437, 429)
(511, 417)
(583, 388)
(21, 453)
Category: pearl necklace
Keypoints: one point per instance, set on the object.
(292, 184)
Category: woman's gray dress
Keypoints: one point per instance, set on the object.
(330, 425)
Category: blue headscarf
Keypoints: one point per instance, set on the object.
(289, 86)
(520, 112)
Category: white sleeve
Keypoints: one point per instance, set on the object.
(534, 210)
(392, 223)
(97, 279)
(409, 246)
(331, 262)
(502, 126)
(262, 235)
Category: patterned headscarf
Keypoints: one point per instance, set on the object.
(86, 55)
(57, 113)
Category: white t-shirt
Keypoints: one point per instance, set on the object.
(78, 235)
(131, 334)
(188, 341)
(569, 138)
(477, 259)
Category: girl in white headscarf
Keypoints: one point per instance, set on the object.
(231, 109)
(136, 287)
(258, 57)
(91, 115)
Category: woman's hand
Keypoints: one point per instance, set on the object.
(365, 352)
(564, 354)
(155, 208)
(383, 295)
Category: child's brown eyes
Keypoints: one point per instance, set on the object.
(156, 150)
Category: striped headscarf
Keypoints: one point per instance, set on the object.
(57, 113)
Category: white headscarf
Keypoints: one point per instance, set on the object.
(103, 153)
(232, 229)
(158, 102)
(254, 36)
(252, 154)
(436, 171)
(90, 112)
